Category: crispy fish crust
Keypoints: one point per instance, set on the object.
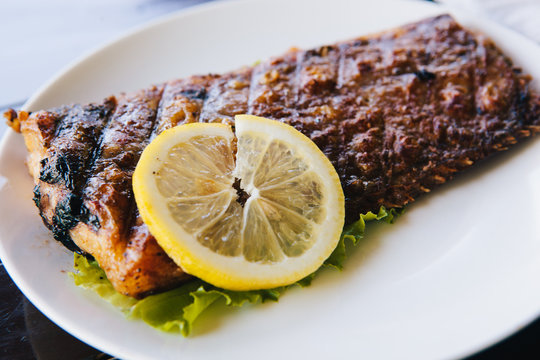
(397, 113)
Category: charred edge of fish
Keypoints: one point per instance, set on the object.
(523, 106)
(37, 201)
(88, 218)
(13, 120)
(195, 94)
(66, 216)
(424, 75)
(62, 169)
(319, 52)
(64, 238)
(37, 196)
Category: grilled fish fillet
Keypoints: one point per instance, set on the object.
(397, 113)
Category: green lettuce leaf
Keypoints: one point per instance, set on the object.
(355, 231)
(177, 310)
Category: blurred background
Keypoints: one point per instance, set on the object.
(39, 38)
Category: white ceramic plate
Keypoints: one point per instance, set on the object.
(457, 272)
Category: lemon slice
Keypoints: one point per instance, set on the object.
(257, 210)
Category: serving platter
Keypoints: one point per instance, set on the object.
(456, 273)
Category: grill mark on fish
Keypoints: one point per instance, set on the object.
(182, 102)
(108, 195)
(272, 93)
(39, 129)
(42, 125)
(227, 97)
(317, 76)
(362, 126)
(121, 145)
(146, 267)
(160, 271)
(63, 169)
(316, 81)
(398, 114)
